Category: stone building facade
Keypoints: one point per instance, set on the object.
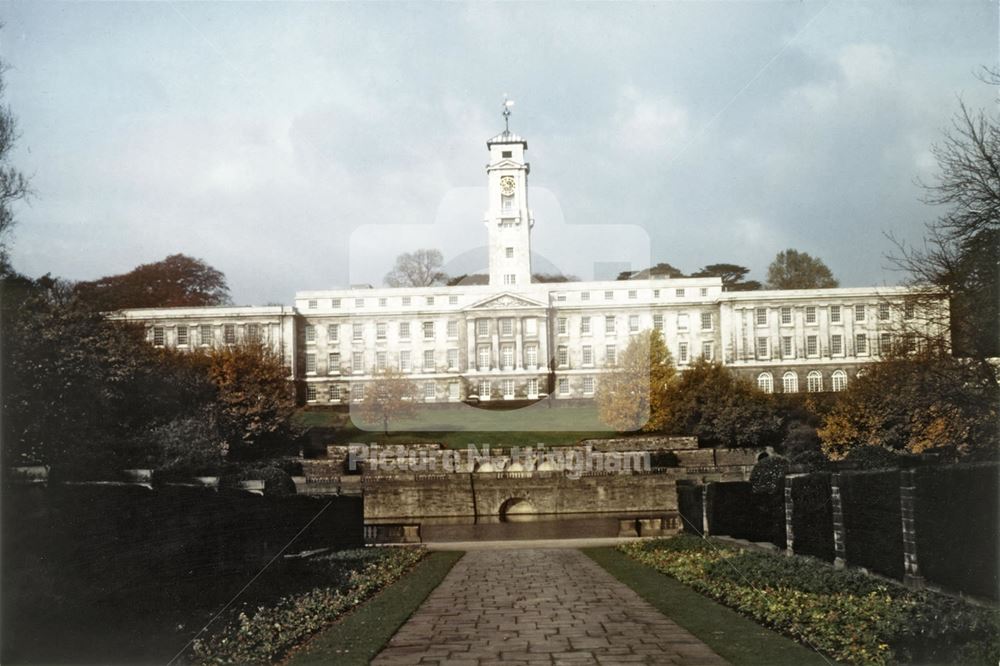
(514, 339)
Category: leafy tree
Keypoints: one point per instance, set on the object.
(720, 409)
(13, 184)
(660, 270)
(792, 269)
(732, 276)
(914, 403)
(767, 475)
(255, 400)
(388, 397)
(176, 281)
(553, 277)
(632, 396)
(421, 268)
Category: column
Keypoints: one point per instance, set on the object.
(839, 545)
(789, 515)
(518, 344)
(471, 363)
(495, 344)
(907, 506)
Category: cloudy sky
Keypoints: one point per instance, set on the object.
(301, 146)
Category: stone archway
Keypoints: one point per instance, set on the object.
(517, 510)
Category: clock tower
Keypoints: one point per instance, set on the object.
(508, 217)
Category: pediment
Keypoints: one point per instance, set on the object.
(506, 301)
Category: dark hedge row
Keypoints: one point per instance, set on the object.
(735, 510)
(812, 521)
(689, 505)
(872, 521)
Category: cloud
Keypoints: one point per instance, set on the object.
(648, 123)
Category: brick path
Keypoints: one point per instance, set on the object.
(538, 606)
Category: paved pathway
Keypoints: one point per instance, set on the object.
(539, 606)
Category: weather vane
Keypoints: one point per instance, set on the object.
(507, 103)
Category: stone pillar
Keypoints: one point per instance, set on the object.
(704, 510)
(789, 515)
(518, 344)
(907, 507)
(472, 361)
(839, 542)
(495, 344)
(626, 528)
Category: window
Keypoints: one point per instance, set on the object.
(335, 393)
(682, 322)
(836, 344)
(428, 330)
(357, 392)
(562, 357)
(765, 382)
(429, 300)
(158, 335)
(404, 330)
(429, 392)
(633, 323)
(883, 311)
(382, 302)
(507, 357)
(507, 327)
(706, 350)
(380, 331)
(584, 295)
(610, 355)
(453, 300)
(453, 389)
(839, 380)
(860, 344)
(510, 252)
(484, 389)
(508, 389)
(205, 335)
(656, 293)
(859, 313)
(406, 301)
(786, 347)
(786, 315)
(333, 332)
(909, 342)
(658, 322)
(404, 361)
(530, 326)
(587, 355)
(531, 356)
(335, 303)
(561, 298)
(884, 343)
(703, 292)
(229, 334)
(588, 386)
(507, 153)
(484, 354)
(312, 305)
(510, 278)
(358, 362)
(908, 311)
(182, 336)
(682, 352)
(358, 331)
(507, 205)
(253, 332)
(679, 293)
(814, 382)
(381, 361)
(453, 359)
(310, 333)
(563, 386)
(812, 345)
(310, 393)
(311, 363)
(452, 328)
(790, 382)
(532, 387)
(810, 314)
(359, 302)
(482, 327)
(760, 316)
(835, 314)
(429, 360)
(609, 324)
(585, 325)
(761, 348)
(632, 294)
(609, 295)
(706, 321)
(561, 325)
(333, 364)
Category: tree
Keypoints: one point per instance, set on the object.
(467, 279)
(720, 409)
(960, 256)
(732, 276)
(388, 397)
(553, 277)
(421, 268)
(176, 281)
(13, 184)
(660, 270)
(915, 402)
(792, 269)
(632, 396)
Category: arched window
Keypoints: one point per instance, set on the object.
(814, 382)
(790, 382)
(765, 383)
(839, 380)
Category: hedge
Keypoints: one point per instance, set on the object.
(730, 509)
(812, 519)
(689, 505)
(872, 521)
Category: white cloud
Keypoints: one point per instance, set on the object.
(648, 123)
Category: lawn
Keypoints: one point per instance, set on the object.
(361, 635)
(459, 425)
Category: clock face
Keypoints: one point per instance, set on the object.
(507, 185)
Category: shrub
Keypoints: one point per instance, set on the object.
(664, 459)
(812, 461)
(768, 475)
(872, 457)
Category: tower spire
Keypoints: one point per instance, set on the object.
(507, 103)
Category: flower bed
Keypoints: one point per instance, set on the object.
(848, 615)
(272, 630)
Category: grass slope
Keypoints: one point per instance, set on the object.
(732, 636)
(361, 635)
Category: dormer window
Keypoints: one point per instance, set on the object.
(507, 153)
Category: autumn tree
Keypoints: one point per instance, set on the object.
(632, 395)
(733, 276)
(420, 268)
(711, 403)
(792, 269)
(388, 397)
(176, 281)
(13, 183)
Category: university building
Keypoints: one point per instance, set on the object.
(515, 339)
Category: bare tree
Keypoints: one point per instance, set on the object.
(421, 268)
(388, 397)
(13, 184)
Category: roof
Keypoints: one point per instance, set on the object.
(507, 136)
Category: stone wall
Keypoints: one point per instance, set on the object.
(652, 443)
